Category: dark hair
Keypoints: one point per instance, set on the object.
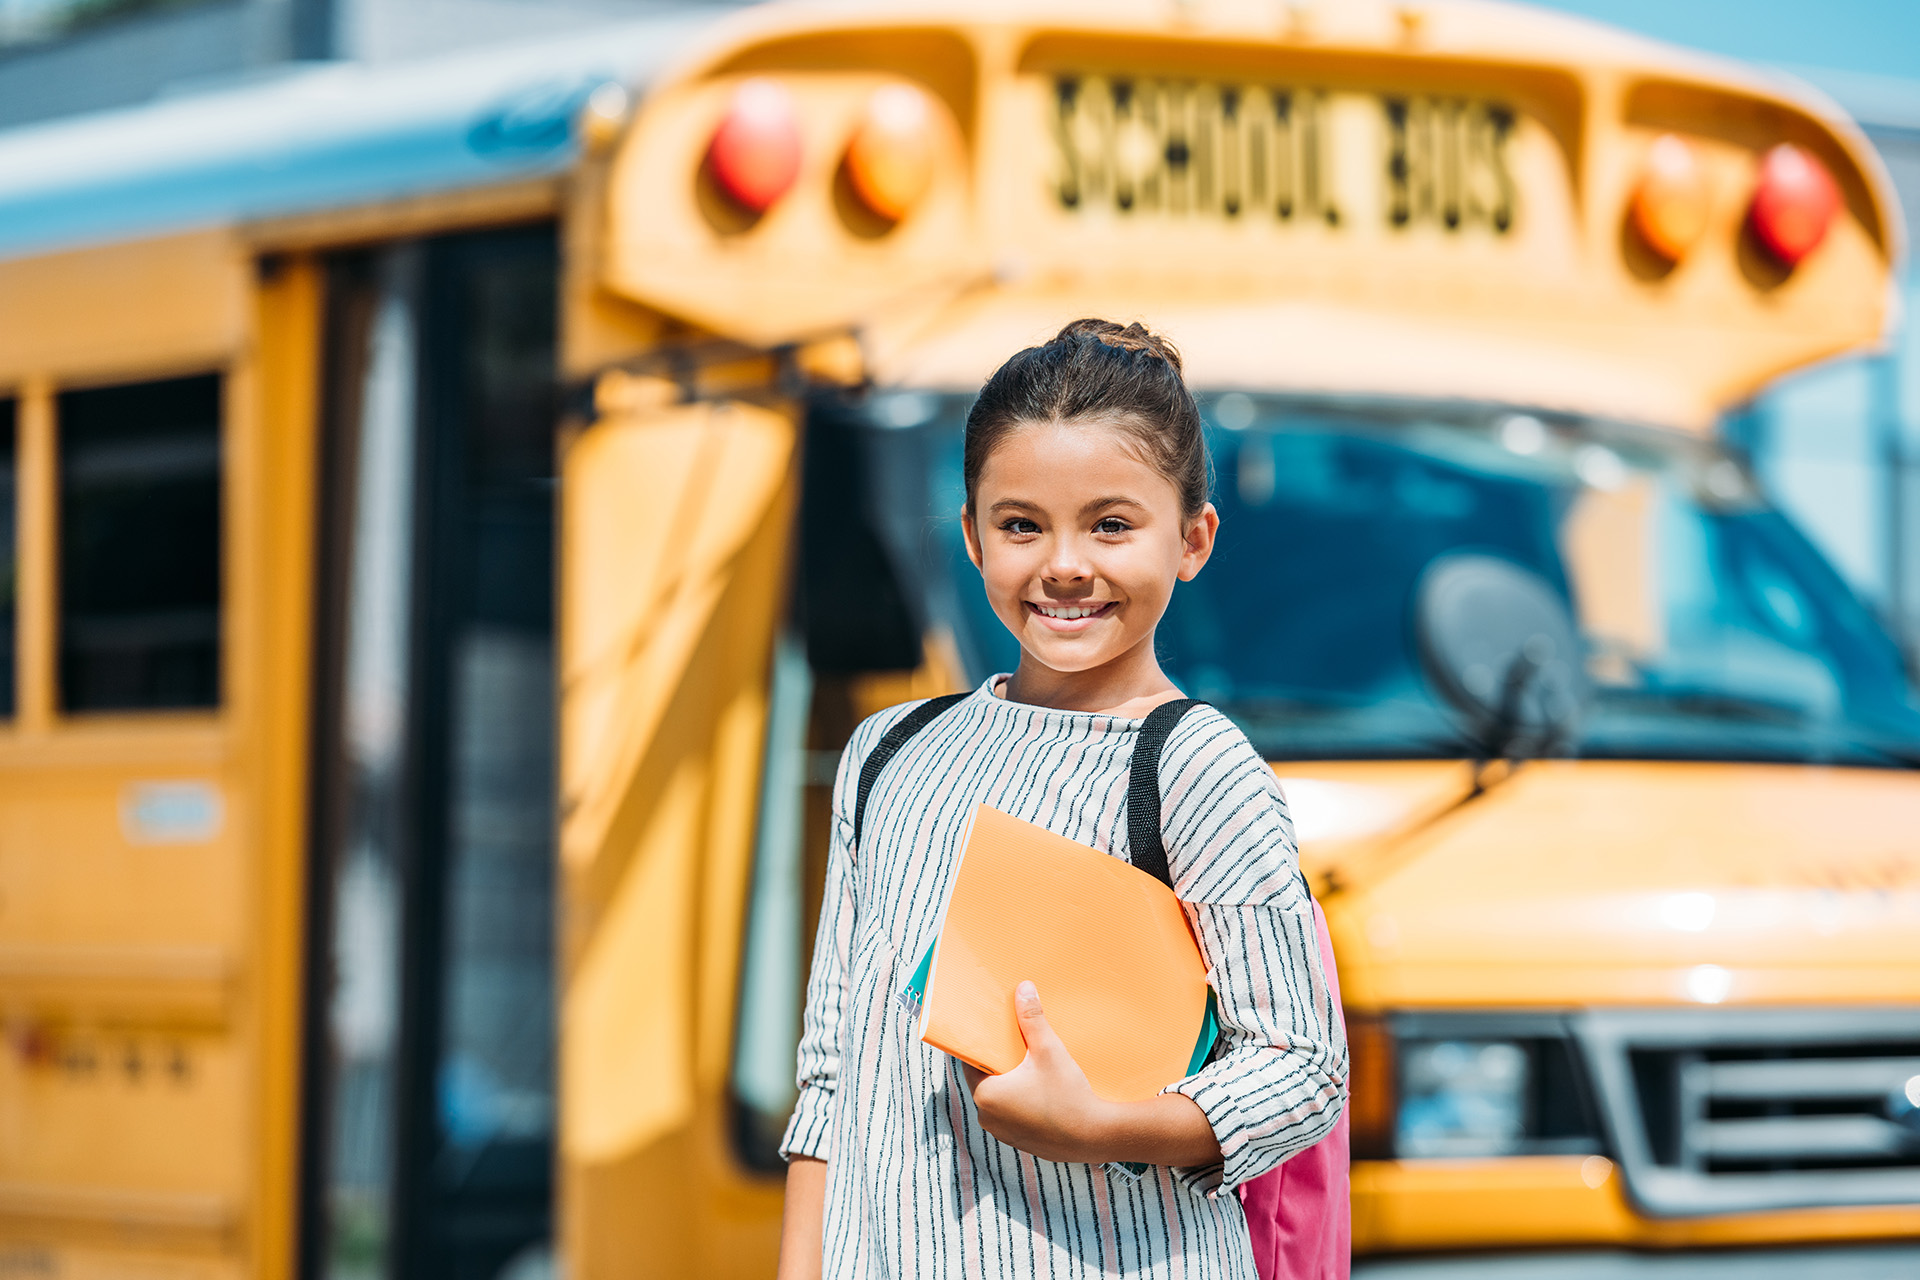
(1097, 370)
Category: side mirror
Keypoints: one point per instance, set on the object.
(1500, 647)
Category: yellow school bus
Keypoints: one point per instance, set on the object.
(457, 511)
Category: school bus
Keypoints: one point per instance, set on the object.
(459, 509)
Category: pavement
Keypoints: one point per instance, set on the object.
(1863, 1262)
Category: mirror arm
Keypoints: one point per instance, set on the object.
(1506, 723)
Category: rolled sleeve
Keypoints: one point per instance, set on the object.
(1277, 1080)
(810, 1132)
(1278, 1083)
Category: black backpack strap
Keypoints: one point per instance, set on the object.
(890, 743)
(1148, 850)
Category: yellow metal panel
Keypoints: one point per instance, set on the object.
(1561, 886)
(150, 979)
(1458, 1204)
(674, 533)
(140, 309)
(277, 525)
(36, 602)
(178, 986)
(527, 200)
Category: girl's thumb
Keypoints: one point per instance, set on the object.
(1033, 1018)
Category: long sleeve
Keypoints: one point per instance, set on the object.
(810, 1131)
(1278, 1081)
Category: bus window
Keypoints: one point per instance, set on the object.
(140, 545)
(9, 561)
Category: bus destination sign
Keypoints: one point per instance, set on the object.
(1293, 156)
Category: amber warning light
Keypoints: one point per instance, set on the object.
(890, 159)
(1794, 204)
(754, 156)
(1671, 204)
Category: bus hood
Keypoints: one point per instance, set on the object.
(1600, 882)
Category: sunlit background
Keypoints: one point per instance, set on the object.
(1837, 448)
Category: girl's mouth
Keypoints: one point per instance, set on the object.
(1070, 617)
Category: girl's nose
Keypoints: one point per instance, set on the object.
(1067, 563)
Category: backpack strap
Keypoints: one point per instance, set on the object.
(1148, 851)
(890, 743)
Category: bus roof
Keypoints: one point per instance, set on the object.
(1313, 196)
(1557, 313)
(316, 137)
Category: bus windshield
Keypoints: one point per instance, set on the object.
(1711, 628)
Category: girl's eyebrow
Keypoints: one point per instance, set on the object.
(1117, 500)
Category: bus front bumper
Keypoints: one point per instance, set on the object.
(1559, 1201)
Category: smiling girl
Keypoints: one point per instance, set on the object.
(1086, 478)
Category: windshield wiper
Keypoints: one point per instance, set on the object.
(1709, 704)
(1819, 739)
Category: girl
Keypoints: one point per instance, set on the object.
(1086, 482)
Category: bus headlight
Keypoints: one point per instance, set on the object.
(1462, 1098)
(1468, 1086)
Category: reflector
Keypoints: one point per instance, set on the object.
(754, 156)
(1671, 204)
(890, 159)
(1793, 204)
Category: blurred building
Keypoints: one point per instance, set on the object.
(61, 57)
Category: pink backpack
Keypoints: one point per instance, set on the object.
(1299, 1216)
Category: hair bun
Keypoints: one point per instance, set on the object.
(1093, 371)
(1130, 337)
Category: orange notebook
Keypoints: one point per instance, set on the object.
(1106, 944)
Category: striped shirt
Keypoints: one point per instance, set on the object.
(915, 1187)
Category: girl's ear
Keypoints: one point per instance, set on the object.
(971, 534)
(1200, 533)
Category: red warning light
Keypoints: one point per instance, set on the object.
(891, 158)
(1671, 204)
(754, 156)
(1793, 205)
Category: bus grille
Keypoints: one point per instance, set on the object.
(1736, 1110)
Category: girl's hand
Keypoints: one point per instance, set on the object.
(1046, 1108)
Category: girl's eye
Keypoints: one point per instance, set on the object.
(1020, 524)
(1112, 524)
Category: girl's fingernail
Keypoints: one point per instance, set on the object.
(1028, 992)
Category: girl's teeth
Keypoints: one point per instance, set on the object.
(1069, 613)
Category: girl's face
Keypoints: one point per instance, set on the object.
(1080, 541)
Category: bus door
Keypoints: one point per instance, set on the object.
(740, 586)
(674, 536)
(429, 1081)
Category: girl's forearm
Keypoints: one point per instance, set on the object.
(1169, 1129)
(801, 1221)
